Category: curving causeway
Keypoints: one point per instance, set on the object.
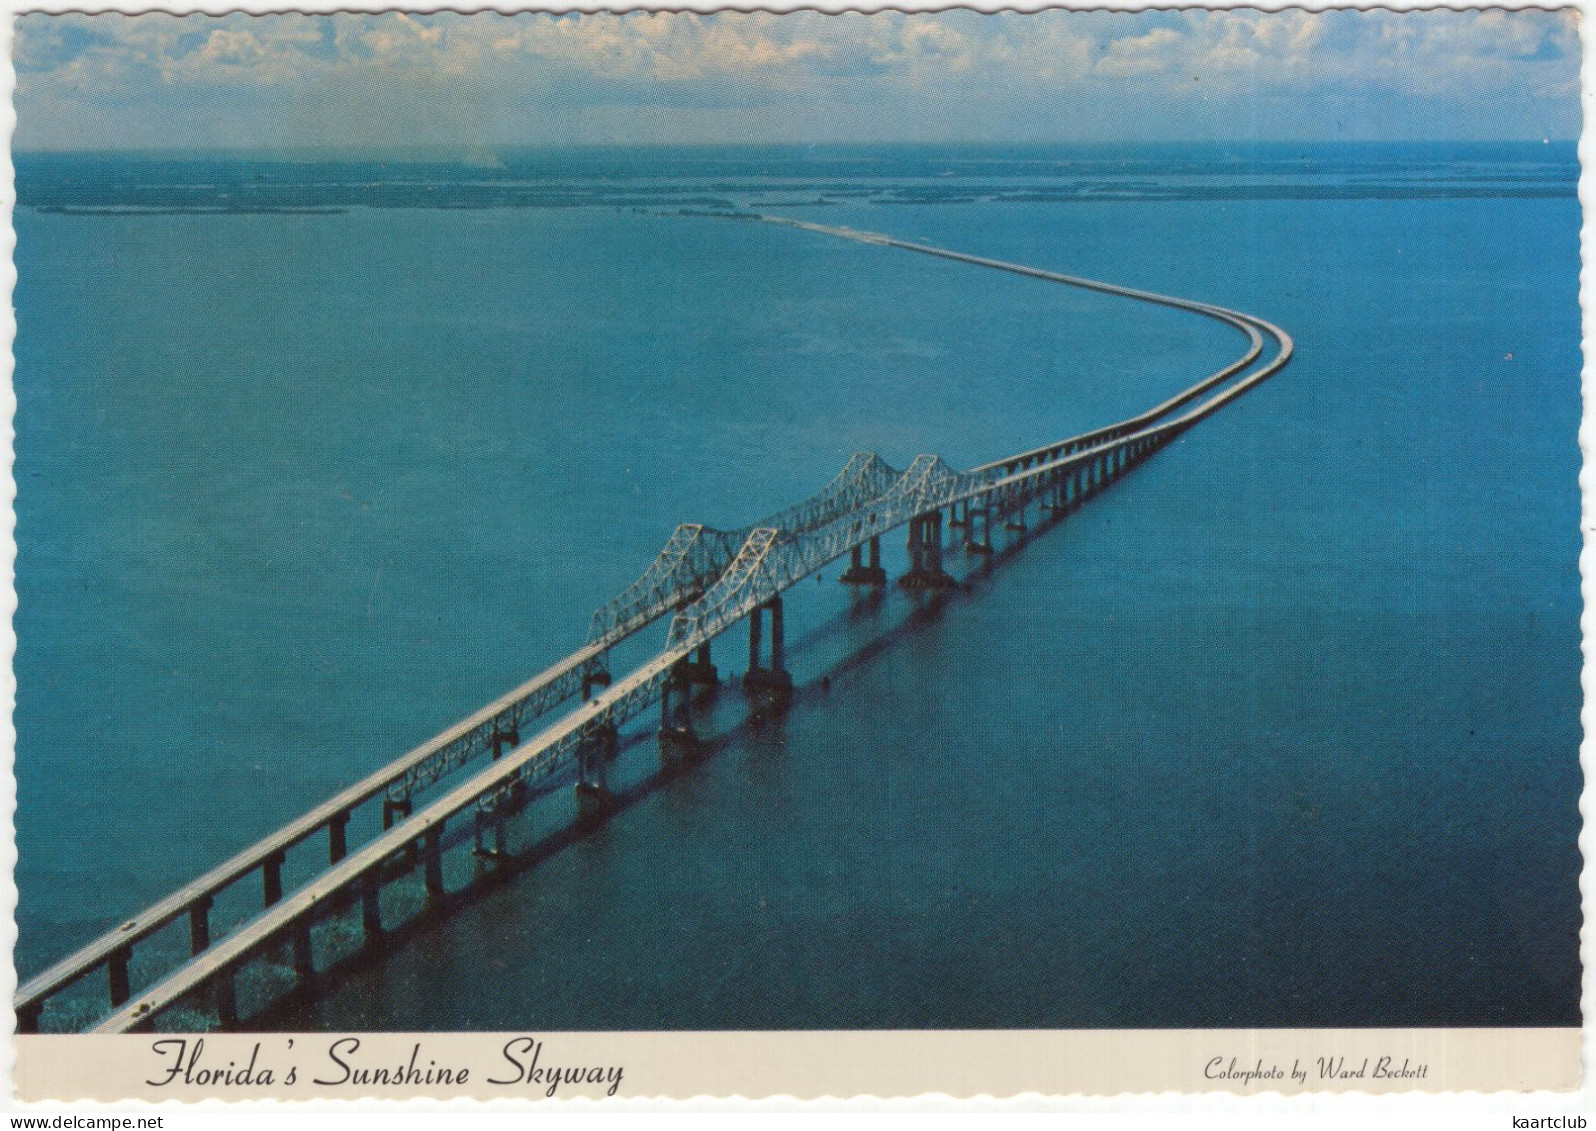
(568, 717)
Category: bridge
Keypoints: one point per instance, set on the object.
(707, 581)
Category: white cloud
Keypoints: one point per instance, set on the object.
(1153, 53)
(89, 65)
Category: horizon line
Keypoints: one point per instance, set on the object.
(472, 148)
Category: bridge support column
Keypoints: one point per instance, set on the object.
(338, 837)
(395, 807)
(432, 857)
(28, 1017)
(860, 572)
(594, 752)
(700, 669)
(1017, 518)
(271, 876)
(510, 736)
(955, 518)
(756, 626)
(199, 925)
(484, 818)
(116, 969)
(677, 739)
(925, 554)
(595, 674)
(978, 543)
(773, 679)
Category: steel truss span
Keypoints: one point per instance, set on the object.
(706, 581)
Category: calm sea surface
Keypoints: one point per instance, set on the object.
(314, 457)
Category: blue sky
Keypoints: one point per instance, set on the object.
(158, 81)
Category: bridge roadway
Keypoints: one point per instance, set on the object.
(491, 728)
(712, 579)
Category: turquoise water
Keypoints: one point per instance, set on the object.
(1281, 730)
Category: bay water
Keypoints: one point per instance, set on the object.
(317, 454)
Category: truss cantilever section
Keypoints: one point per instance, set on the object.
(695, 555)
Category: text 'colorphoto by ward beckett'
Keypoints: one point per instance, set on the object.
(1164, 613)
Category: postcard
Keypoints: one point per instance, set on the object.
(657, 554)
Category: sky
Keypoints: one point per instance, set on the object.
(357, 80)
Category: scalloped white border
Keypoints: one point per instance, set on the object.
(1343, 1107)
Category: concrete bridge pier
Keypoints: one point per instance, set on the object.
(595, 675)
(502, 737)
(337, 837)
(486, 821)
(773, 679)
(271, 876)
(116, 967)
(199, 925)
(957, 517)
(395, 811)
(978, 535)
(595, 750)
(860, 573)
(677, 739)
(925, 554)
(1053, 496)
(432, 859)
(700, 669)
(392, 807)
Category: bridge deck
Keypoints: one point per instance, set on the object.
(278, 920)
(158, 915)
